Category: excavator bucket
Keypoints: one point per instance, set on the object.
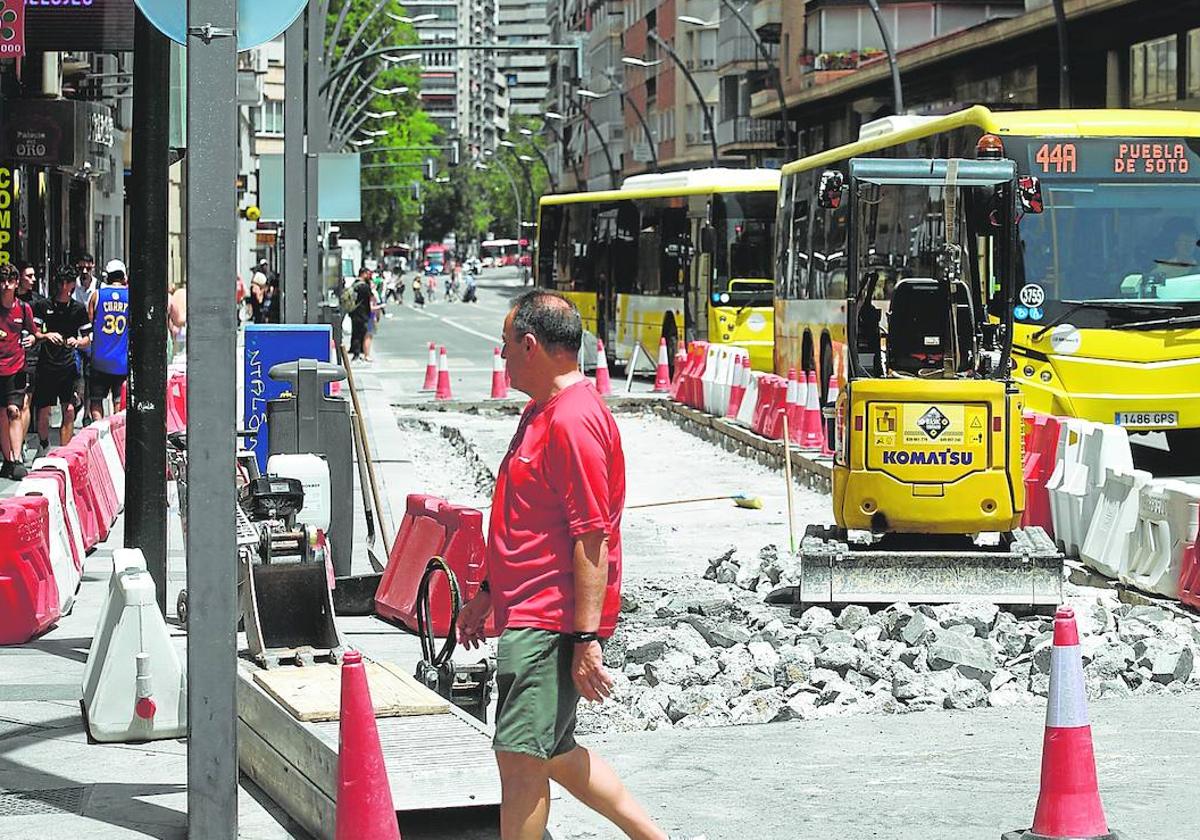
(1023, 569)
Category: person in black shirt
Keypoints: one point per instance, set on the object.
(360, 315)
(27, 291)
(65, 328)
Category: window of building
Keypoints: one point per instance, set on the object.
(1193, 63)
(268, 118)
(1152, 67)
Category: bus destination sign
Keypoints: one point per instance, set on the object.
(1114, 159)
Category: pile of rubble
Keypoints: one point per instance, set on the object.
(711, 653)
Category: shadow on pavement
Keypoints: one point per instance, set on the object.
(454, 824)
(74, 649)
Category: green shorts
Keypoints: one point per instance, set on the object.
(536, 697)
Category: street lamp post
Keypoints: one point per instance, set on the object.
(558, 138)
(613, 177)
(704, 107)
(542, 156)
(897, 91)
(641, 117)
(772, 69)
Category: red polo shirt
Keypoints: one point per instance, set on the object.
(563, 477)
(14, 320)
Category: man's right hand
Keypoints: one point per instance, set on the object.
(471, 620)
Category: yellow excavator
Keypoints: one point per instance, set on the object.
(928, 487)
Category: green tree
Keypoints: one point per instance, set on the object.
(372, 113)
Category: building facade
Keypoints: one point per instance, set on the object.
(526, 75)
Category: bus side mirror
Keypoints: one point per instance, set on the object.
(1029, 192)
(829, 195)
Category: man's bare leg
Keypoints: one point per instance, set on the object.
(66, 430)
(589, 779)
(524, 796)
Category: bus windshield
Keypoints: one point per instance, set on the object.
(1121, 226)
(744, 225)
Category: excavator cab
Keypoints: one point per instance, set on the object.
(928, 490)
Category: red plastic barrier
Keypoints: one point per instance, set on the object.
(772, 420)
(420, 536)
(766, 389)
(95, 530)
(1189, 575)
(693, 368)
(177, 397)
(75, 539)
(1038, 465)
(116, 425)
(28, 592)
(432, 527)
(106, 489)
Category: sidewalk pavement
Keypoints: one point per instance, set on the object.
(54, 784)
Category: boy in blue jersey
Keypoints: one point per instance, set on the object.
(108, 311)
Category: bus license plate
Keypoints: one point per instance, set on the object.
(1148, 418)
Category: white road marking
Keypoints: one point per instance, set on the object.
(494, 338)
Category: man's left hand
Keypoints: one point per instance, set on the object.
(587, 670)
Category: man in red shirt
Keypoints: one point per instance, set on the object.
(17, 332)
(553, 576)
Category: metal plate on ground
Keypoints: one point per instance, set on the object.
(25, 803)
(313, 693)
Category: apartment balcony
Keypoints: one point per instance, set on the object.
(767, 20)
(747, 133)
(736, 50)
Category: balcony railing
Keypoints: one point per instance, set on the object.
(744, 130)
(839, 60)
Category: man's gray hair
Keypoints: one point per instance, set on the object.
(549, 317)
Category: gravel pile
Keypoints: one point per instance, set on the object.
(711, 653)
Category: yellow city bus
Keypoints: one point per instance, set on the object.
(682, 255)
(1108, 315)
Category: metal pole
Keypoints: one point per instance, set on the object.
(318, 130)
(773, 70)
(516, 197)
(546, 163)
(613, 177)
(562, 150)
(293, 174)
(1064, 64)
(146, 467)
(897, 91)
(211, 552)
(704, 107)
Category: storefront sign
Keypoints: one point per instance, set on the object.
(56, 132)
(8, 214)
(12, 28)
(81, 25)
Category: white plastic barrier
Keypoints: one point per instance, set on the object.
(709, 376)
(728, 373)
(1106, 547)
(62, 560)
(1103, 447)
(745, 414)
(60, 465)
(1168, 515)
(108, 448)
(124, 560)
(134, 688)
(1065, 478)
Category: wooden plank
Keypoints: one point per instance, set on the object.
(286, 785)
(313, 693)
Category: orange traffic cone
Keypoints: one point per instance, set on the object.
(830, 424)
(443, 376)
(662, 373)
(737, 393)
(1069, 802)
(796, 398)
(812, 431)
(431, 369)
(499, 376)
(603, 382)
(364, 796)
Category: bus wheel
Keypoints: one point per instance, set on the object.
(1184, 443)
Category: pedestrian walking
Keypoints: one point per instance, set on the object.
(65, 329)
(553, 579)
(85, 265)
(108, 312)
(418, 295)
(27, 291)
(17, 332)
(360, 313)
